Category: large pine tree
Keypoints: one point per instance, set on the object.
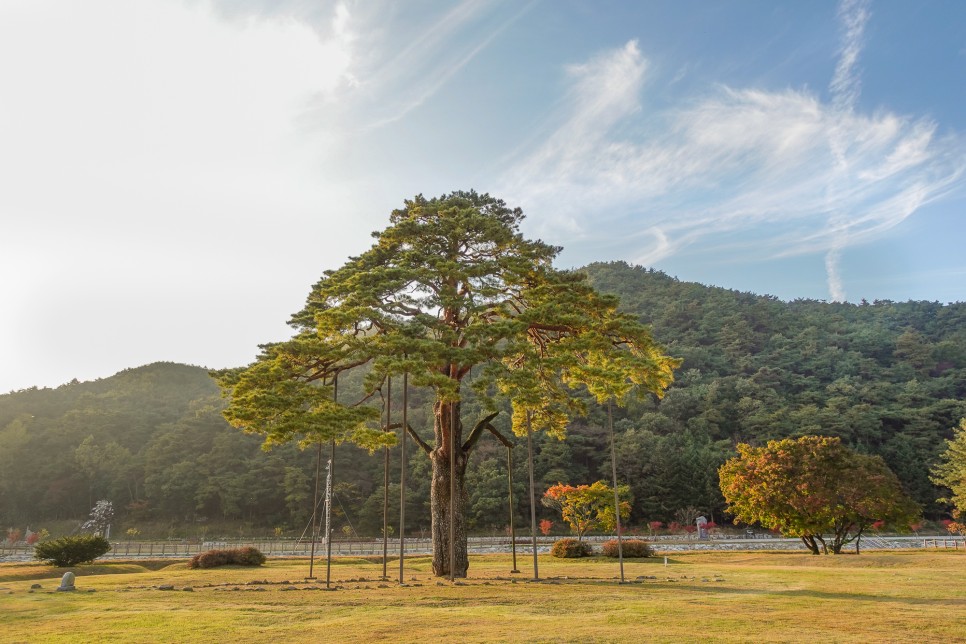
(449, 288)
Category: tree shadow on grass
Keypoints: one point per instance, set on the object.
(833, 596)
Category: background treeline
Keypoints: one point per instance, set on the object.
(888, 378)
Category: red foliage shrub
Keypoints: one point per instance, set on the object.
(632, 548)
(247, 556)
(570, 549)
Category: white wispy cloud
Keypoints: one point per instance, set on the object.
(846, 82)
(401, 59)
(790, 172)
(167, 160)
(844, 90)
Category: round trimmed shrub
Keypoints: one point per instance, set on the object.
(632, 548)
(570, 549)
(247, 556)
(209, 559)
(70, 551)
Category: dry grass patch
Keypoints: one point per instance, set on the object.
(898, 596)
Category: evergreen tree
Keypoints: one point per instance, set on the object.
(451, 286)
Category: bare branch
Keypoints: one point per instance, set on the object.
(475, 434)
(412, 432)
(499, 436)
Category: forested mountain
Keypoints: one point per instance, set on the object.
(889, 378)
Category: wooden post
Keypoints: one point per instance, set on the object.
(402, 478)
(533, 497)
(509, 480)
(452, 491)
(328, 493)
(385, 485)
(313, 533)
(617, 504)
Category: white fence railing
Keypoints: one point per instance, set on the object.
(475, 545)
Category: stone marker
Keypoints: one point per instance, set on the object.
(67, 582)
(701, 524)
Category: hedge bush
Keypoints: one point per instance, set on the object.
(210, 559)
(570, 549)
(70, 551)
(633, 548)
(247, 556)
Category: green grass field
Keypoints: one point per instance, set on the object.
(901, 596)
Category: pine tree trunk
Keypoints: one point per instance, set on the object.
(440, 496)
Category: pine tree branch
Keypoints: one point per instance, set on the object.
(475, 434)
(499, 436)
(412, 432)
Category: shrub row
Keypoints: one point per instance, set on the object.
(247, 556)
(70, 551)
(572, 549)
(632, 548)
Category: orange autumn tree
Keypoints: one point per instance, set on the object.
(814, 488)
(588, 507)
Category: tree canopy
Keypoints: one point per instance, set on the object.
(811, 488)
(451, 288)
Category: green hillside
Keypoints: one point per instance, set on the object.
(889, 378)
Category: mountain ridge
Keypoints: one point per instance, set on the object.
(889, 378)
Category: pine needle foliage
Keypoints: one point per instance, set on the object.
(451, 287)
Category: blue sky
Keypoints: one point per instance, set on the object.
(174, 175)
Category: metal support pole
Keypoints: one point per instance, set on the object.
(509, 481)
(329, 494)
(452, 492)
(533, 498)
(617, 505)
(402, 478)
(385, 485)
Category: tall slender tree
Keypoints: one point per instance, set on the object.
(950, 472)
(449, 288)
